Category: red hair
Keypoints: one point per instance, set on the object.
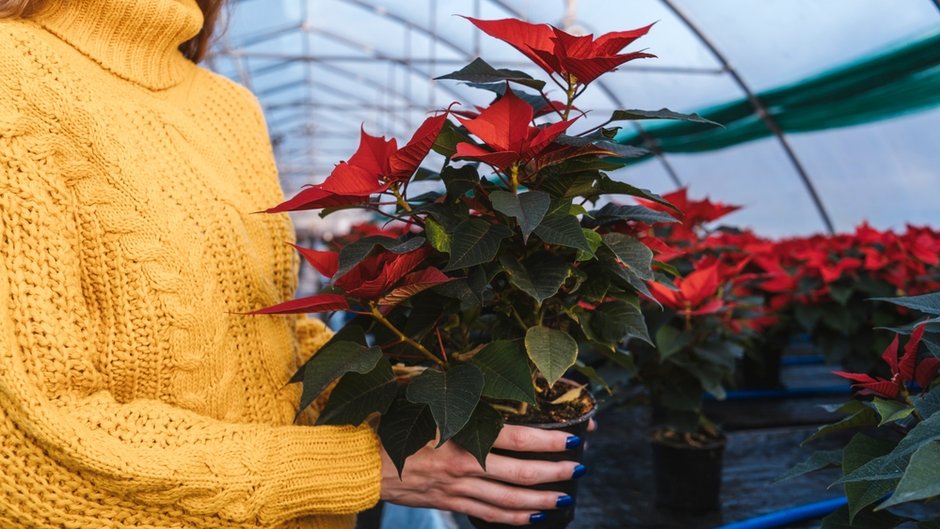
(194, 49)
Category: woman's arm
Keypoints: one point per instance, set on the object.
(141, 454)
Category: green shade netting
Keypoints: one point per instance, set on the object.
(900, 81)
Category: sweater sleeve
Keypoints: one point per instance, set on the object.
(54, 403)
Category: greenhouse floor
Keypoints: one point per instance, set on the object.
(764, 439)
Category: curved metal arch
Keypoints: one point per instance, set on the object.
(387, 13)
(760, 110)
(381, 56)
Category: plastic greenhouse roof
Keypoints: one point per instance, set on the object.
(323, 68)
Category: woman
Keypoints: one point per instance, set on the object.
(133, 393)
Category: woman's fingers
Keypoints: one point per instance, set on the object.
(510, 497)
(528, 472)
(526, 439)
(489, 512)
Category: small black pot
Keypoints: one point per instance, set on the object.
(688, 478)
(556, 518)
(762, 372)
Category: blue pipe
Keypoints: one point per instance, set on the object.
(789, 516)
(802, 360)
(785, 393)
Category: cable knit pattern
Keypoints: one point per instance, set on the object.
(132, 391)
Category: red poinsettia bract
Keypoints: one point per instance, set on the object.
(384, 277)
(376, 164)
(505, 128)
(903, 370)
(696, 294)
(555, 51)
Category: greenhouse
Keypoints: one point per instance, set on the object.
(470, 264)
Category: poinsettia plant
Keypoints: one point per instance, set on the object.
(473, 309)
(698, 338)
(893, 460)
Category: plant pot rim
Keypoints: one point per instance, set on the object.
(560, 425)
(711, 444)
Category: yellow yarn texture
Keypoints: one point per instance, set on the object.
(133, 392)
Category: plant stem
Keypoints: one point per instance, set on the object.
(515, 313)
(400, 198)
(570, 95)
(514, 175)
(379, 317)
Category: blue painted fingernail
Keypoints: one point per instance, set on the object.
(564, 501)
(537, 517)
(579, 471)
(572, 442)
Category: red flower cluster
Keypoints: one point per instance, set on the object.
(377, 164)
(505, 128)
(384, 276)
(903, 370)
(555, 51)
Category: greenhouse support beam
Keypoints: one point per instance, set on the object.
(761, 112)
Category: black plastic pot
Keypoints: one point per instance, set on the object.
(688, 478)
(556, 518)
(762, 372)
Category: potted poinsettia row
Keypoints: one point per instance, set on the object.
(469, 315)
(890, 462)
(815, 286)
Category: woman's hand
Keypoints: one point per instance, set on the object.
(449, 478)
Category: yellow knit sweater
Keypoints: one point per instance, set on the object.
(132, 392)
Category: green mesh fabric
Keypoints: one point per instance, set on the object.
(900, 81)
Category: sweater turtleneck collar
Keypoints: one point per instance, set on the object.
(137, 40)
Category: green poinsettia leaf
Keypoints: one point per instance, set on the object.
(612, 213)
(663, 113)
(540, 276)
(480, 432)
(616, 321)
(670, 341)
(631, 253)
(860, 450)
(564, 230)
(438, 237)
(817, 461)
(891, 410)
(458, 181)
(606, 185)
(599, 140)
(452, 396)
(405, 428)
(357, 396)
(527, 208)
(447, 140)
(921, 480)
(552, 351)
(506, 372)
(479, 71)
(334, 360)
(859, 416)
(926, 303)
(892, 465)
(475, 241)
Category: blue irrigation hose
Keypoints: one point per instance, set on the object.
(788, 516)
(802, 360)
(785, 393)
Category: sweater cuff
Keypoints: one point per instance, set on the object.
(321, 470)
